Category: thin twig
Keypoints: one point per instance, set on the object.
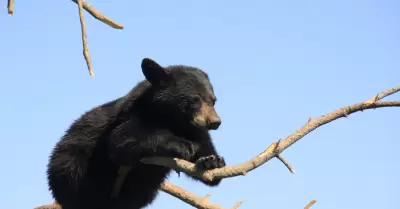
(99, 16)
(310, 204)
(386, 93)
(286, 163)
(207, 196)
(10, 6)
(237, 205)
(84, 38)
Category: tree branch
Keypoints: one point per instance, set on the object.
(95, 13)
(190, 198)
(98, 15)
(10, 6)
(286, 163)
(312, 202)
(84, 38)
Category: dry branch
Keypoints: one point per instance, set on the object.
(95, 13)
(310, 204)
(10, 7)
(286, 163)
(192, 199)
(99, 16)
(84, 38)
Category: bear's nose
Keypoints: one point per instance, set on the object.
(214, 125)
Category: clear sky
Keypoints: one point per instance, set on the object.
(273, 65)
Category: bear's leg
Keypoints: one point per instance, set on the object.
(129, 150)
(207, 158)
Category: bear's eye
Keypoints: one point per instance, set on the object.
(196, 99)
(195, 102)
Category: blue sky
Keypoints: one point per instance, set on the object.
(273, 65)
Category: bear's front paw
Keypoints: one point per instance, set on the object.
(210, 162)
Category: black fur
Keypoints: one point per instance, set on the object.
(156, 118)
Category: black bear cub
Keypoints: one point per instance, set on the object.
(168, 114)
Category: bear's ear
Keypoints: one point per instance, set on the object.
(153, 72)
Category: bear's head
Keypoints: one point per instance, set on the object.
(183, 94)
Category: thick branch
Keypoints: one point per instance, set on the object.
(99, 16)
(275, 148)
(192, 199)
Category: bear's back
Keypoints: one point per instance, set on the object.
(80, 171)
